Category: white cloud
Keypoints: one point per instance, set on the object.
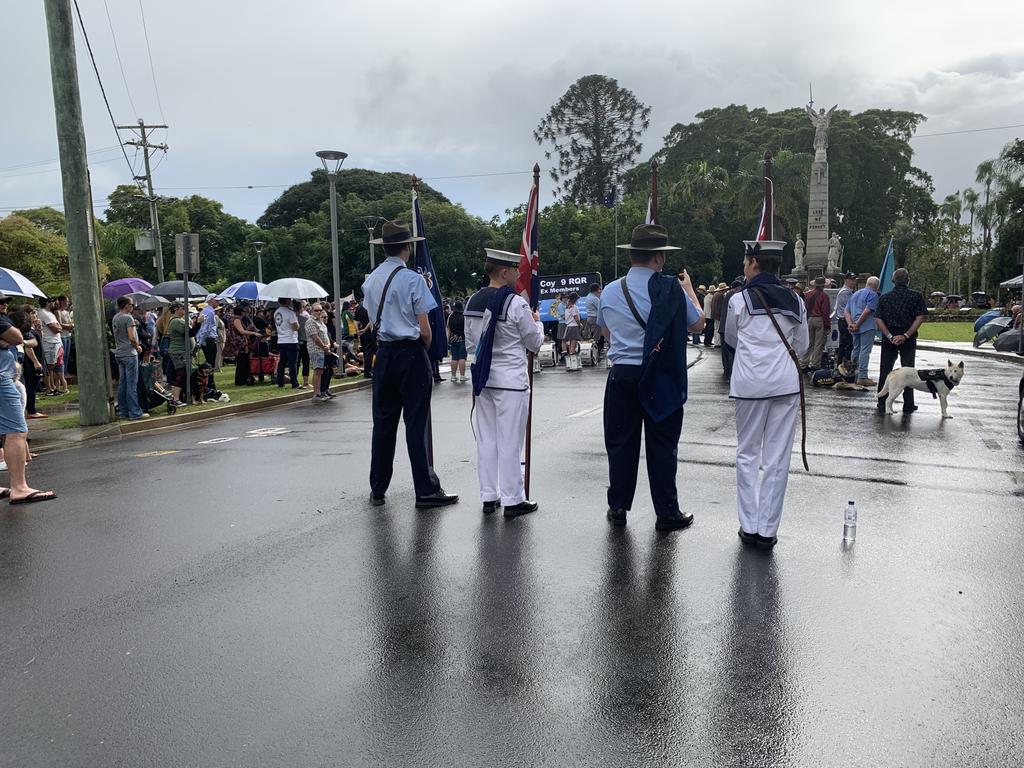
(252, 89)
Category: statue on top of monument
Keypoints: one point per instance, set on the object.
(820, 120)
(834, 253)
(798, 250)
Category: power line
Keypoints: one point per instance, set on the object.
(293, 183)
(100, 201)
(152, 71)
(51, 170)
(967, 130)
(117, 53)
(103, 92)
(35, 163)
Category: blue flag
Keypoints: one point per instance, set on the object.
(888, 267)
(439, 341)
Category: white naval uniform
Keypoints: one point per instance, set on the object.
(766, 387)
(502, 408)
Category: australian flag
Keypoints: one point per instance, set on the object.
(528, 284)
(439, 341)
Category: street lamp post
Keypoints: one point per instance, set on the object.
(332, 160)
(258, 245)
(371, 223)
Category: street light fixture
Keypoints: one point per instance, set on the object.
(371, 223)
(332, 160)
(258, 245)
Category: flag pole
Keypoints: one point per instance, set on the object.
(769, 196)
(415, 184)
(654, 191)
(530, 356)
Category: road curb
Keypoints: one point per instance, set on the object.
(160, 424)
(1006, 357)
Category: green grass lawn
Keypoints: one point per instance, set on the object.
(947, 331)
(59, 418)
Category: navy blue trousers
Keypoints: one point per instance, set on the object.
(624, 420)
(402, 385)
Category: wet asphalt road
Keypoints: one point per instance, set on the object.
(240, 603)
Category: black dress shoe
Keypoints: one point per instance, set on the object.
(750, 539)
(491, 507)
(911, 409)
(437, 499)
(617, 517)
(766, 542)
(377, 501)
(673, 522)
(522, 508)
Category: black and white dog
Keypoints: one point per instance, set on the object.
(939, 381)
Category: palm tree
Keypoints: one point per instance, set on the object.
(950, 210)
(791, 173)
(986, 175)
(702, 187)
(970, 200)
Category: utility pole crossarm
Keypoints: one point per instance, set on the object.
(154, 218)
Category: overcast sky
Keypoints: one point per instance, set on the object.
(251, 88)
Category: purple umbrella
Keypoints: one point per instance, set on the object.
(125, 285)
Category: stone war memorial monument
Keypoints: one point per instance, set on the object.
(819, 255)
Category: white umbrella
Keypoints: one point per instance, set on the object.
(293, 288)
(16, 284)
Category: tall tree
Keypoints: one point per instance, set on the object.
(702, 187)
(970, 201)
(594, 131)
(986, 176)
(950, 212)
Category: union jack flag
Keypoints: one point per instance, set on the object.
(528, 284)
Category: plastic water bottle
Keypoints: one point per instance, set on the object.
(850, 522)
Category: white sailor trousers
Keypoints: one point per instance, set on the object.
(764, 441)
(500, 417)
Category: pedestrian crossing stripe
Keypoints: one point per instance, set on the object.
(151, 454)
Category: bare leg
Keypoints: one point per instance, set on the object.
(16, 450)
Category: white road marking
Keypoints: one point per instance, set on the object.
(150, 454)
(587, 412)
(267, 432)
(216, 440)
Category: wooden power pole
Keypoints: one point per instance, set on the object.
(90, 335)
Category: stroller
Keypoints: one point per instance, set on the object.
(149, 396)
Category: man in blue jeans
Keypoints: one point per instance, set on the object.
(126, 352)
(860, 319)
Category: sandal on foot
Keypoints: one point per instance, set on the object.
(35, 496)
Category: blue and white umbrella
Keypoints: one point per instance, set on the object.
(249, 290)
(16, 284)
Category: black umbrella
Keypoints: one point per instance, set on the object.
(1008, 342)
(175, 289)
(146, 300)
(991, 330)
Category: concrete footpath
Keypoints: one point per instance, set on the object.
(46, 440)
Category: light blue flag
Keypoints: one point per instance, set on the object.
(888, 267)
